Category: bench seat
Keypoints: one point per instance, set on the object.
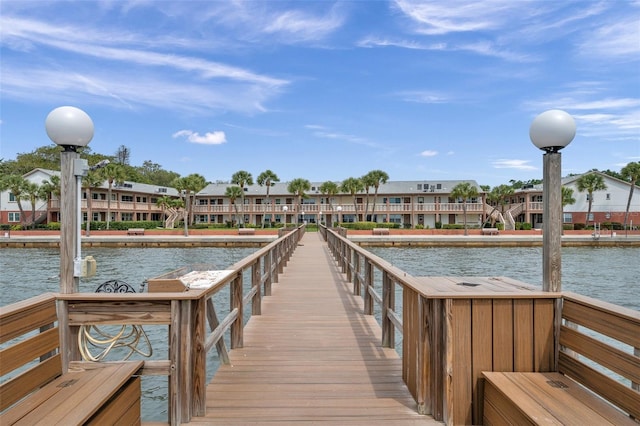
(87, 393)
(380, 231)
(490, 231)
(246, 231)
(135, 231)
(544, 399)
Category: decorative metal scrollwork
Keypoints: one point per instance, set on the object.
(95, 342)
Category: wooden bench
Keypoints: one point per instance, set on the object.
(135, 231)
(577, 393)
(490, 231)
(380, 231)
(246, 231)
(36, 390)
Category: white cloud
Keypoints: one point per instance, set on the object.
(428, 153)
(209, 138)
(423, 97)
(513, 164)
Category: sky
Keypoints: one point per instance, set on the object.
(327, 90)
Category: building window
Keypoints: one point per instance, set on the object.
(590, 218)
(567, 218)
(12, 197)
(608, 196)
(14, 217)
(127, 198)
(203, 201)
(141, 199)
(126, 217)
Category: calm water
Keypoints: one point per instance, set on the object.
(611, 274)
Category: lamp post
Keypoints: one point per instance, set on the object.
(551, 131)
(70, 128)
(339, 215)
(284, 209)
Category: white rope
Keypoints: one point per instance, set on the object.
(129, 336)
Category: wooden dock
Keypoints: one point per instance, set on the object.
(311, 357)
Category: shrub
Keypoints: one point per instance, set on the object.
(526, 226)
(419, 226)
(438, 225)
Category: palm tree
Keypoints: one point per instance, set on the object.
(378, 177)
(112, 173)
(631, 173)
(15, 184)
(242, 178)
(330, 189)
(164, 203)
(32, 192)
(51, 187)
(93, 179)
(367, 182)
(268, 179)
(232, 193)
(567, 196)
(464, 191)
(298, 187)
(590, 183)
(194, 184)
(352, 186)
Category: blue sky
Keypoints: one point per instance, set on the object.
(324, 90)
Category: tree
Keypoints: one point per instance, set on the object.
(367, 182)
(567, 196)
(378, 177)
(153, 174)
(330, 189)
(50, 187)
(112, 173)
(298, 187)
(164, 202)
(268, 179)
(464, 191)
(631, 174)
(194, 184)
(93, 179)
(590, 183)
(233, 193)
(123, 155)
(242, 178)
(32, 192)
(352, 186)
(15, 184)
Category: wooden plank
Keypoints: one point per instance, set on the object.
(523, 352)
(482, 344)
(27, 350)
(622, 327)
(123, 408)
(611, 390)
(411, 339)
(18, 387)
(548, 398)
(543, 339)
(498, 408)
(31, 314)
(625, 364)
(458, 388)
(502, 335)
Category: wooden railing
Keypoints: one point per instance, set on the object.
(186, 314)
(594, 361)
(452, 334)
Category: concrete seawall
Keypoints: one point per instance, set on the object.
(53, 241)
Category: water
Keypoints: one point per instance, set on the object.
(610, 274)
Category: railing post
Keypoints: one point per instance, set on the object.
(356, 273)
(256, 300)
(388, 303)
(198, 380)
(634, 385)
(236, 303)
(368, 284)
(271, 277)
(349, 261)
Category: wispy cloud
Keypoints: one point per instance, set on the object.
(423, 97)
(513, 164)
(209, 138)
(428, 153)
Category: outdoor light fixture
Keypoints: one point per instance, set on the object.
(551, 131)
(70, 128)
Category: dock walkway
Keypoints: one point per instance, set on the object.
(311, 357)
